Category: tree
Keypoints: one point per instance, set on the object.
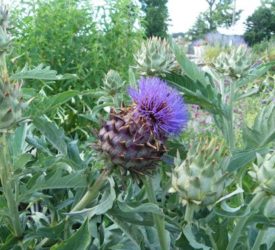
(156, 17)
(220, 13)
(261, 24)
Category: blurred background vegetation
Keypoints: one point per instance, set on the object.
(88, 40)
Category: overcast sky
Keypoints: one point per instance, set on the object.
(183, 14)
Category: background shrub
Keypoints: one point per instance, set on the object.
(79, 38)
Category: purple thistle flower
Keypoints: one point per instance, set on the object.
(161, 106)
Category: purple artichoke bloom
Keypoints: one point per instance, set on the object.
(161, 106)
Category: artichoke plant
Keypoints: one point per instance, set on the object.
(201, 178)
(134, 137)
(155, 58)
(235, 62)
(264, 173)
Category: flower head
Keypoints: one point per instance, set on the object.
(161, 106)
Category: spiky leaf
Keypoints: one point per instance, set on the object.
(263, 130)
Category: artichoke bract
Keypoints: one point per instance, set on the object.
(201, 178)
(134, 137)
(264, 173)
(155, 58)
(10, 104)
(234, 63)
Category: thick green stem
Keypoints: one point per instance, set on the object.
(254, 204)
(212, 240)
(158, 220)
(3, 68)
(6, 180)
(231, 134)
(189, 212)
(92, 191)
(259, 240)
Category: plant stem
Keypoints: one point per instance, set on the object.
(158, 220)
(92, 191)
(189, 212)
(212, 240)
(231, 134)
(6, 177)
(258, 240)
(255, 203)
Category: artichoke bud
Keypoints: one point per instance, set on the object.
(10, 104)
(263, 173)
(112, 82)
(201, 178)
(155, 58)
(234, 63)
(134, 137)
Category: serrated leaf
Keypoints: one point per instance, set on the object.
(269, 239)
(144, 219)
(189, 68)
(249, 93)
(18, 140)
(53, 134)
(132, 78)
(22, 160)
(140, 208)
(43, 104)
(51, 232)
(191, 237)
(74, 155)
(254, 74)
(40, 72)
(196, 85)
(263, 130)
(132, 231)
(58, 180)
(229, 212)
(103, 205)
(55, 179)
(241, 158)
(78, 241)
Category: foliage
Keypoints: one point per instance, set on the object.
(84, 40)
(77, 42)
(260, 25)
(156, 17)
(264, 45)
(220, 13)
(210, 53)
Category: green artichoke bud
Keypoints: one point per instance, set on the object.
(201, 178)
(155, 58)
(10, 104)
(112, 83)
(112, 91)
(264, 172)
(234, 63)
